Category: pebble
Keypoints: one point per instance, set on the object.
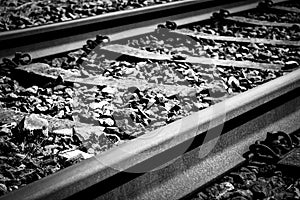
(75, 154)
(32, 90)
(41, 108)
(49, 101)
(76, 85)
(98, 105)
(109, 90)
(238, 56)
(233, 82)
(65, 131)
(69, 91)
(59, 87)
(5, 131)
(13, 96)
(3, 189)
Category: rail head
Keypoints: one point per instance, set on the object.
(154, 149)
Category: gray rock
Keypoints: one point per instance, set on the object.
(34, 122)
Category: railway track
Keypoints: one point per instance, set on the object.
(152, 142)
(60, 37)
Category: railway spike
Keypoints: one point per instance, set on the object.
(161, 29)
(24, 58)
(18, 59)
(265, 4)
(287, 138)
(171, 25)
(296, 140)
(91, 44)
(224, 12)
(215, 15)
(161, 26)
(86, 48)
(263, 150)
(9, 63)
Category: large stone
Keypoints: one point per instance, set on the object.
(34, 122)
(73, 155)
(91, 137)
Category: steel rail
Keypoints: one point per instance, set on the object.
(175, 160)
(66, 36)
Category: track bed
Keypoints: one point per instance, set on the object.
(266, 173)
